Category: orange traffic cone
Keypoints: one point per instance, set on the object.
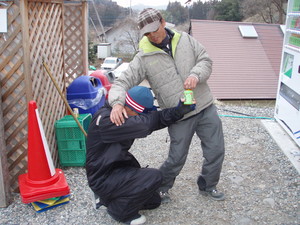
(42, 181)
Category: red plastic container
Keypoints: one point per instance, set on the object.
(100, 74)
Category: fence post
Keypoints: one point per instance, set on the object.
(84, 9)
(5, 195)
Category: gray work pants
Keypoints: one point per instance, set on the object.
(208, 128)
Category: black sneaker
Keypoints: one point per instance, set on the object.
(214, 194)
(165, 196)
(95, 200)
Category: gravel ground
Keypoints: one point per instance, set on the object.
(261, 185)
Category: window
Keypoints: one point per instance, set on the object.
(248, 31)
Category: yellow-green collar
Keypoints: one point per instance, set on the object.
(147, 47)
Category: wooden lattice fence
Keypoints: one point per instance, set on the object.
(38, 30)
(75, 42)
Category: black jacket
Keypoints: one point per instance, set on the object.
(108, 144)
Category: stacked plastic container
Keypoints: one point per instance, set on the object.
(87, 94)
(104, 80)
(71, 141)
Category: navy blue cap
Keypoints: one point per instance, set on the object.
(140, 99)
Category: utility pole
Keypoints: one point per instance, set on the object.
(188, 8)
(189, 19)
(130, 13)
(99, 20)
(97, 32)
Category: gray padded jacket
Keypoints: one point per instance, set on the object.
(165, 74)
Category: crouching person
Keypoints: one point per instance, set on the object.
(113, 173)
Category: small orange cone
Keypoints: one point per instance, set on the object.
(42, 181)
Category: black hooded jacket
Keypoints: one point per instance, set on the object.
(108, 144)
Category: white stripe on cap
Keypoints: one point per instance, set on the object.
(134, 104)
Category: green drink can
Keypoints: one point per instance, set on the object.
(189, 96)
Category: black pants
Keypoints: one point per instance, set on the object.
(130, 190)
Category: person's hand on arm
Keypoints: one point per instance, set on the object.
(191, 82)
(171, 115)
(118, 114)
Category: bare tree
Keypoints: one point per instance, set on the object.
(270, 11)
(132, 36)
(281, 7)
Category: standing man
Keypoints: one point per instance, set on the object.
(113, 172)
(173, 61)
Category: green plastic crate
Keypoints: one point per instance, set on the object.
(71, 141)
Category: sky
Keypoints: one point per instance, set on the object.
(126, 3)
